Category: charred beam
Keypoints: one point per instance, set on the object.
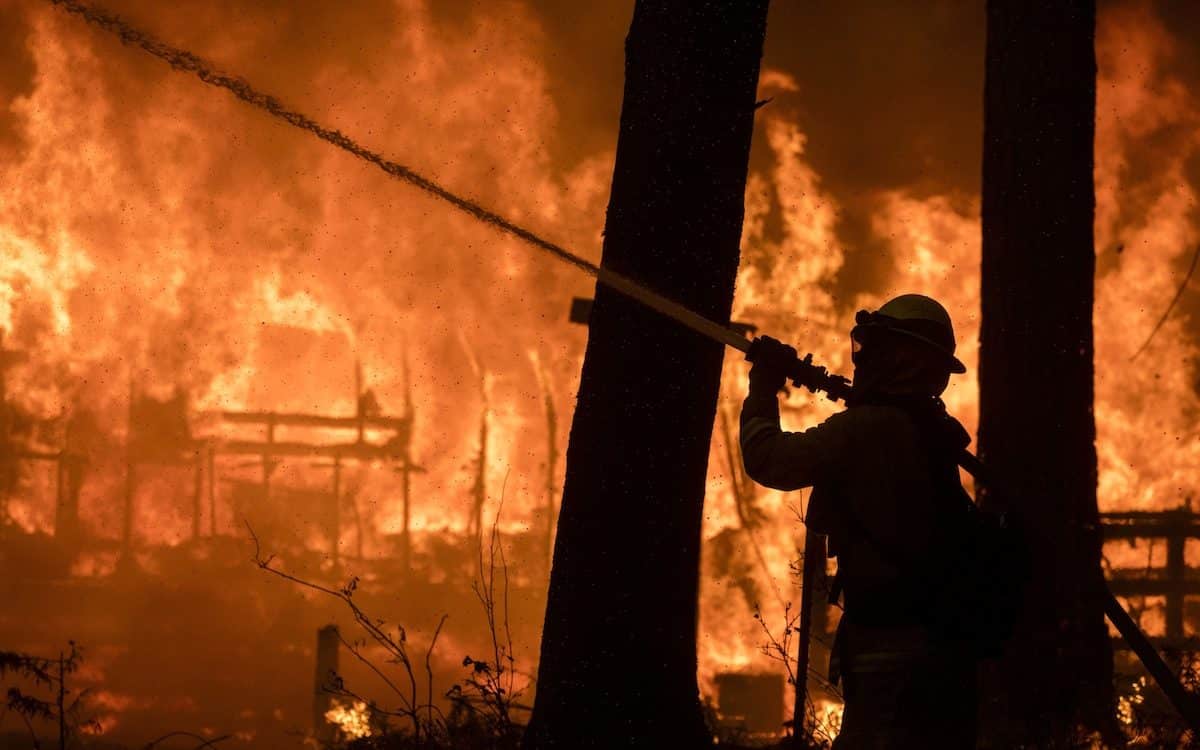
(358, 451)
(290, 419)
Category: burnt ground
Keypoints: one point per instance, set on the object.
(197, 638)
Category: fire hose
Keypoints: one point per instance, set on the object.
(803, 372)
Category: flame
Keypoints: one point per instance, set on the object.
(141, 245)
(1128, 703)
(352, 720)
(1146, 408)
(156, 235)
(828, 717)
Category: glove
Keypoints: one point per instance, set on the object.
(772, 361)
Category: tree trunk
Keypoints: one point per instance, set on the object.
(1037, 430)
(618, 660)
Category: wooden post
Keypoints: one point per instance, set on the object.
(58, 491)
(359, 412)
(335, 521)
(1176, 574)
(479, 491)
(406, 472)
(66, 513)
(130, 481)
(358, 526)
(551, 457)
(127, 512)
(7, 464)
(326, 668)
(406, 497)
(210, 458)
(814, 556)
(197, 491)
(268, 460)
(60, 501)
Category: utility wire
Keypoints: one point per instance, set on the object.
(186, 61)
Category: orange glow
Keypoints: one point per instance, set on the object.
(159, 237)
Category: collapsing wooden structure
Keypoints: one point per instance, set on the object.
(20, 441)
(202, 458)
(160, 434)
(1174, 582)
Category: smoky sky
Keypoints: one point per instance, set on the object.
(890, 94)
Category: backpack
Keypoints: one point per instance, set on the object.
(977, 588)
(974, 581)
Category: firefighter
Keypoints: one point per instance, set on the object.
(887, 493)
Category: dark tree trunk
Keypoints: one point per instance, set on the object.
(618, 660)
(1037, 431)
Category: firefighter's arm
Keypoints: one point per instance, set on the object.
(785, 460)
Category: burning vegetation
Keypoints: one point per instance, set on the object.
(213, 323)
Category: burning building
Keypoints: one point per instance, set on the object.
(211, 321)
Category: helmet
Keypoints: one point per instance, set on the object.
(916, 317)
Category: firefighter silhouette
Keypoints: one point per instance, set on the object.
(878, 470)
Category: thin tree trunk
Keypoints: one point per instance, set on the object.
(618, 660)
(62, 701)
(1037, 430)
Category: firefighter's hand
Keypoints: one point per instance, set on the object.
(772, 360)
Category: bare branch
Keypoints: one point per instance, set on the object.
(407, 702)
(396, 647)
(429, 667)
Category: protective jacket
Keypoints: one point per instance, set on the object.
(878, 492)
